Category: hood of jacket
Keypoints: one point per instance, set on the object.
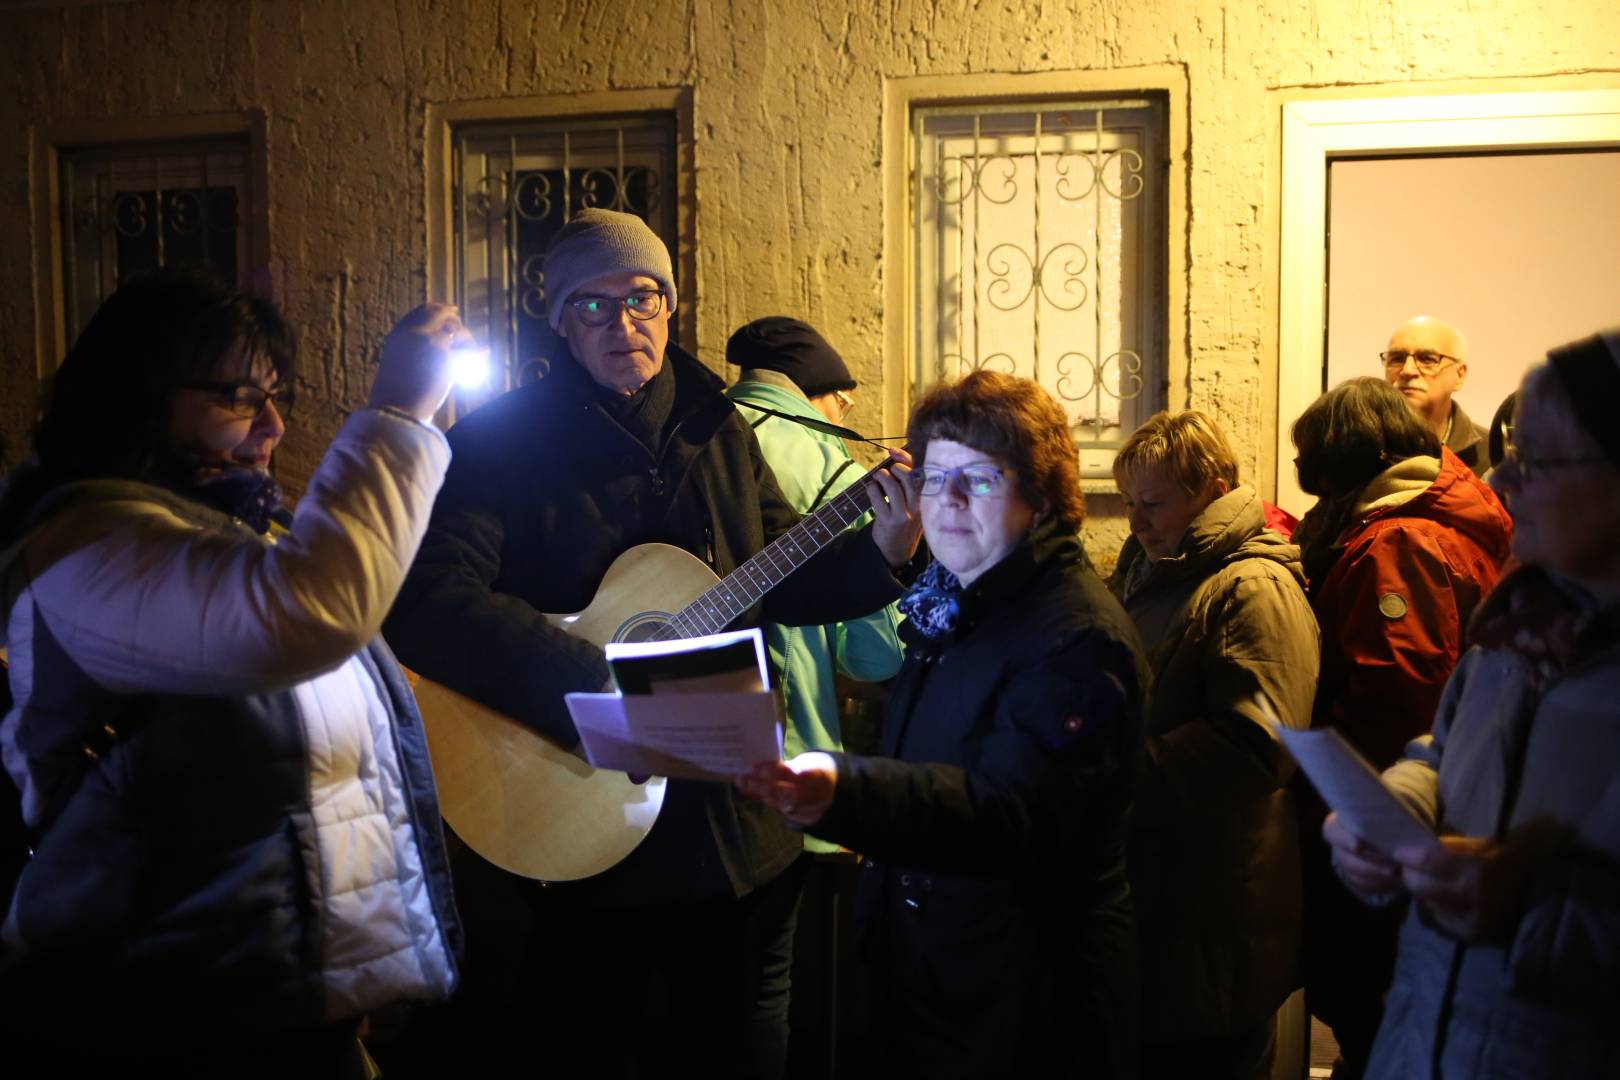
(1444, 490)
(1229, 530)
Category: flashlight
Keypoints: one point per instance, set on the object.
(469, 365)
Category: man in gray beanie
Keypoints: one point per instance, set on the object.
(627, 440)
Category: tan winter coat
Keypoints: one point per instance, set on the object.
(1215, 854)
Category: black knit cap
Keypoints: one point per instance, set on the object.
(794, 348)
(1589, 370)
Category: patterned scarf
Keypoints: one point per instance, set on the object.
(934, 602)
(247, 494)
(1551, 625)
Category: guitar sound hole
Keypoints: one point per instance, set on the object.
(644, 626)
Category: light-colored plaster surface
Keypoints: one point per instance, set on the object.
(786, 140)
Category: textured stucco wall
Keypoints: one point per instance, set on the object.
(787, 138)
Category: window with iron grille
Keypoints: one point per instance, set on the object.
(515, 186)
(1039, 250)
(132, 207)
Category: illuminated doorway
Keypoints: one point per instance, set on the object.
(1515, 134)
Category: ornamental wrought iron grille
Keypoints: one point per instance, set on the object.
(1039, 235)
(515, 186)
(129, 208)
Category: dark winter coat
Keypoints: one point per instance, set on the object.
(1215, 851)
(546, 488)
(994, 908)
(1470, 442)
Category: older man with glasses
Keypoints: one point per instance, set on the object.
(626, 440)
(1427, 361)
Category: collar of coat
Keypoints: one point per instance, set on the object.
(700, 405)
(1230, 529)
(1550, 622)
(1048, 543)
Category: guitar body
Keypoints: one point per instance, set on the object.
(519, 800)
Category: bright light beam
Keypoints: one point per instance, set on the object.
(469, 366)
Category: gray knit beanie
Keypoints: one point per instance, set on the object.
(595, 243)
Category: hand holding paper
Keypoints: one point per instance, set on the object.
(1364, 807)
(1364, 868)
(1469, 884)
(800, 790)
(697, 709)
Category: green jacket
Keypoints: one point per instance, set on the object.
(807, 657)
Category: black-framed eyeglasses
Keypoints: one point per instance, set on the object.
(643, 304)
(246, 399)
(976, 481)
(1428, 361)
(1528, 465)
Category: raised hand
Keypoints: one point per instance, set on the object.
(896, 513)
(414, 373)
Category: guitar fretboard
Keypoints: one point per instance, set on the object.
(743, 587)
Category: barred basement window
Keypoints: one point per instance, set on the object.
(515, 186)
(132, 207)
(1039, 233)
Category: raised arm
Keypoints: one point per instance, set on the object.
(147, 595)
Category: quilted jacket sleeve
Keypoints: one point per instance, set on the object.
(146, 599)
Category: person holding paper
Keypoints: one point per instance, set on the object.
(237, 851)
(627, 440)
(1403, 543)
(1509, 959)
(1220, 602)
(994, 908)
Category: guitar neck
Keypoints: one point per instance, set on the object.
(747, 585)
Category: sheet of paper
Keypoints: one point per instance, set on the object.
(1350, 786)
(704, 736)
(734, 660)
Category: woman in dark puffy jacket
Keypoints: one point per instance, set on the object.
(994, 906)
(1220, 602)
(237, 848)
(1403, 544)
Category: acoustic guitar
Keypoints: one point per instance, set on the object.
(537, 810)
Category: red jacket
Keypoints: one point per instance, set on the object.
(1393, 607)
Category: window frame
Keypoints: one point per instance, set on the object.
(49, 144)
(903, 97)
(446, 119)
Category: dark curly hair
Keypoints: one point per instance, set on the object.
(1015, 421)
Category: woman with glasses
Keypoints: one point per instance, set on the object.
(236, 843)
(1509, 961)
(994, 906)
(1403, 543)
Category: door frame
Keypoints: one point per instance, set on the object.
(1316, 132)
